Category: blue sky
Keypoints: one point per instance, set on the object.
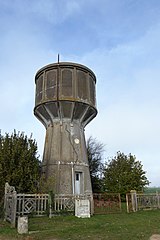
(118, 39)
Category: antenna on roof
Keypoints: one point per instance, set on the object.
(58, 57)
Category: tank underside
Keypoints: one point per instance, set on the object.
(52, 111)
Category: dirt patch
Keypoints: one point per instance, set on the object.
(28, 238)
(155, 237)
(19, 237)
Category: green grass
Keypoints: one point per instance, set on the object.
(122, 226)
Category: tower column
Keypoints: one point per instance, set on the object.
(65, 158)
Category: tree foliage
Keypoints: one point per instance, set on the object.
(46, 185)
(124, 173)
(95, 151)
(19, 164)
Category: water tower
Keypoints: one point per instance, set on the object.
(65, 104)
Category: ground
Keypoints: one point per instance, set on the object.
(142, 225)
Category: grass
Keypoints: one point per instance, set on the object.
(120, 226)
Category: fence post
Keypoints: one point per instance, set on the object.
(50, 205)
(134, 200)
(158, 196)
(127, 202)
(10, 204)
(14, 209)
(5, 200)
(92, 204)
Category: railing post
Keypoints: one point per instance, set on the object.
(158, 196)
(14, 209)
(127, 202)
(50, 205)
(89, 196)
(92, 204)
(5, 195)
(5, 201)
(134, 200)
(10, 204)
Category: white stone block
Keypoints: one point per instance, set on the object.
(22, 225)
(82, 208)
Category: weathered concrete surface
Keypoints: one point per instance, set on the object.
(22, 226)
(65, 104)
(82, 208)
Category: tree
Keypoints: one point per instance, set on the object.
(46, 185)
(19, 164)
(124, 173)
(95, 151)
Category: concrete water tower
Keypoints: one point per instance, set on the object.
(65, 104)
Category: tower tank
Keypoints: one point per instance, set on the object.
(65, 103)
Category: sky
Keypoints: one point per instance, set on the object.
(118, 39)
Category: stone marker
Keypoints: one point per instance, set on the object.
(22, 225)
(82, 208)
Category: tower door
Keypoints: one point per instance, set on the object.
(78, 183)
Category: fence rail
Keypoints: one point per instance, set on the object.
(32, 203)
(148, 201)
(38, 204)
(142, 201)
(63, 202)
(106, 203)
(23, 204)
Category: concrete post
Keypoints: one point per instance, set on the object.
(22, 226)
(134, 200)
(14, 209)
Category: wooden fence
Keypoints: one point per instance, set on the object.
(148, 201)
(23, 204)
(66, 203)
(45, 204)
(141, 201)
(38, 204)
(106, 203)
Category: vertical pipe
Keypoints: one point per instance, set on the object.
(73, 188)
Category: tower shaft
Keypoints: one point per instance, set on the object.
(65, 158)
